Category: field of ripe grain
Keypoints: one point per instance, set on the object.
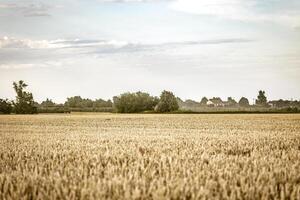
(112, 156)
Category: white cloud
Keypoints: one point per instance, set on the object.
(110, 45)
(131, 1)
(213, 7)
(28, 9)
(254, 10)
(17, 66)
(81, 43)
(9, 42)
(17, 53)
(51, 64)
(15, 43)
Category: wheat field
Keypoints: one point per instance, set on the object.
(150, 156)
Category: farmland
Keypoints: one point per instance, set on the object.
(150, 156)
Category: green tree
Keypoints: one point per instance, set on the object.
(100, 103)
(167, 103)
(24, 103)
(203, 101)
(48, 103)
(78, 102)
(74, 102)
(244, 102)
(134, 102)
(261, 99)
(231, 102)
(5, 106)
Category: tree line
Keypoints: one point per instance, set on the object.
(126, 103)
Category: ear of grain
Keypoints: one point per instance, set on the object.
(150, 157)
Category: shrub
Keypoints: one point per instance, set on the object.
(5, 106)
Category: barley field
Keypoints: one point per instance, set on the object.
(149, 156)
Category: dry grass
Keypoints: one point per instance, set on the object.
(108, 156)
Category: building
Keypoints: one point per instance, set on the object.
(216, 102)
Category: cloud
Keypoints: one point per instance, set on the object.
(215, 41)
(28, 9)
(9, 42)
(82, 43)
(132, 1)
(143, 47)
(15, 43)
(31, 65)
(287, 12)
(116, 47)
(19, 52)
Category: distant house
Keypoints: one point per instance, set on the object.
(273, 104)
(283, 103)
(210, 103)
(230, 102)
(191, 103)
(216, 102)
(188, 104)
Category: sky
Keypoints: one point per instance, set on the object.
(195, 48)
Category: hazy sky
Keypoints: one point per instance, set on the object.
(195, 48)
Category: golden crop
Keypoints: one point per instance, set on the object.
(113, 156)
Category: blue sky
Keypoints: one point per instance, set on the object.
(196, 48)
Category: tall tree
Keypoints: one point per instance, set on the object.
(134, 102)
(231, 102)
(244, 102)
(203, 101)
(167, 103)
(74, 102)
(24, 103)
(261, 98)
(48, 103)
